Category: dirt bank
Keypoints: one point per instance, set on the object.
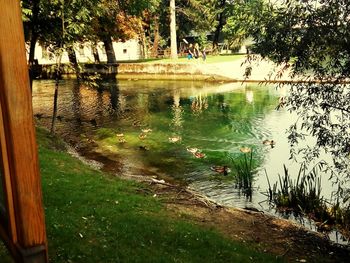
(268, 234)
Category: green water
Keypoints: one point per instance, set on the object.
(216, 119)
(139, 128)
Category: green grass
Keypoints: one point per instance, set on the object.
(93, 217)
(210, 59)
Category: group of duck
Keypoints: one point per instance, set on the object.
(195, 151)
(142, 135)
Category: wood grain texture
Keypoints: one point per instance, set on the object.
(18, 128)
(6, 178)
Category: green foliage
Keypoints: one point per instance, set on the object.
(314, 35)
(241, 21)
(311, 39)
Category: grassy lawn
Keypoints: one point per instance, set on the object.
(92, 217)
(210, 59)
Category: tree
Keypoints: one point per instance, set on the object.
(311, 38)
(221, 21)
(241, 18)
(117, 20)
(173, 40)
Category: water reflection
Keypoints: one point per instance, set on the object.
(249, 96)
(177, 111)
(216, 119)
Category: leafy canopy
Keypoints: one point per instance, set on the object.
(312, 39)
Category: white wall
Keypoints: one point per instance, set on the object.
(129, 50)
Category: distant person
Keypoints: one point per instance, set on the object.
(204, 54)
(196, 51)
(190, 52)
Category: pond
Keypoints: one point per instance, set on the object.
(155, 127)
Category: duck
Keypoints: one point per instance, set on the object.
(136, 123)
(146, 130)
(245, 149)
(221, 169)
(175, 139)
(122, 140)
(199, 155)
(269, 142)
(142, 136)
(192, 150)
(143, 148)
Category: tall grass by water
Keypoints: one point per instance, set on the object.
(244, 171)
(302, 197)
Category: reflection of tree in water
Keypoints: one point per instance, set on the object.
(77, 104)
(99, 105)
(249, 95)
(177, 111)
(114, 98)
(199, 103)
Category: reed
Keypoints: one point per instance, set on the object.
(302, 196)
(244, 173)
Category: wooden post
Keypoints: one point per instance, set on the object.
(24, 233)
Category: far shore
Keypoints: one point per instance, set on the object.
(261, 71)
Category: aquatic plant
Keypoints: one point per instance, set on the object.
(103, 133)
(302, 196)
(244, 171)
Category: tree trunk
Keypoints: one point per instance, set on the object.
(173, 43)
(95, 53)
(58, 74)
(31, 61)
(73, 60)
(156, 37)
(107, 41)
(54, 114)
(33, 40)
(221, 19)
(55, 98)
(144, 48)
